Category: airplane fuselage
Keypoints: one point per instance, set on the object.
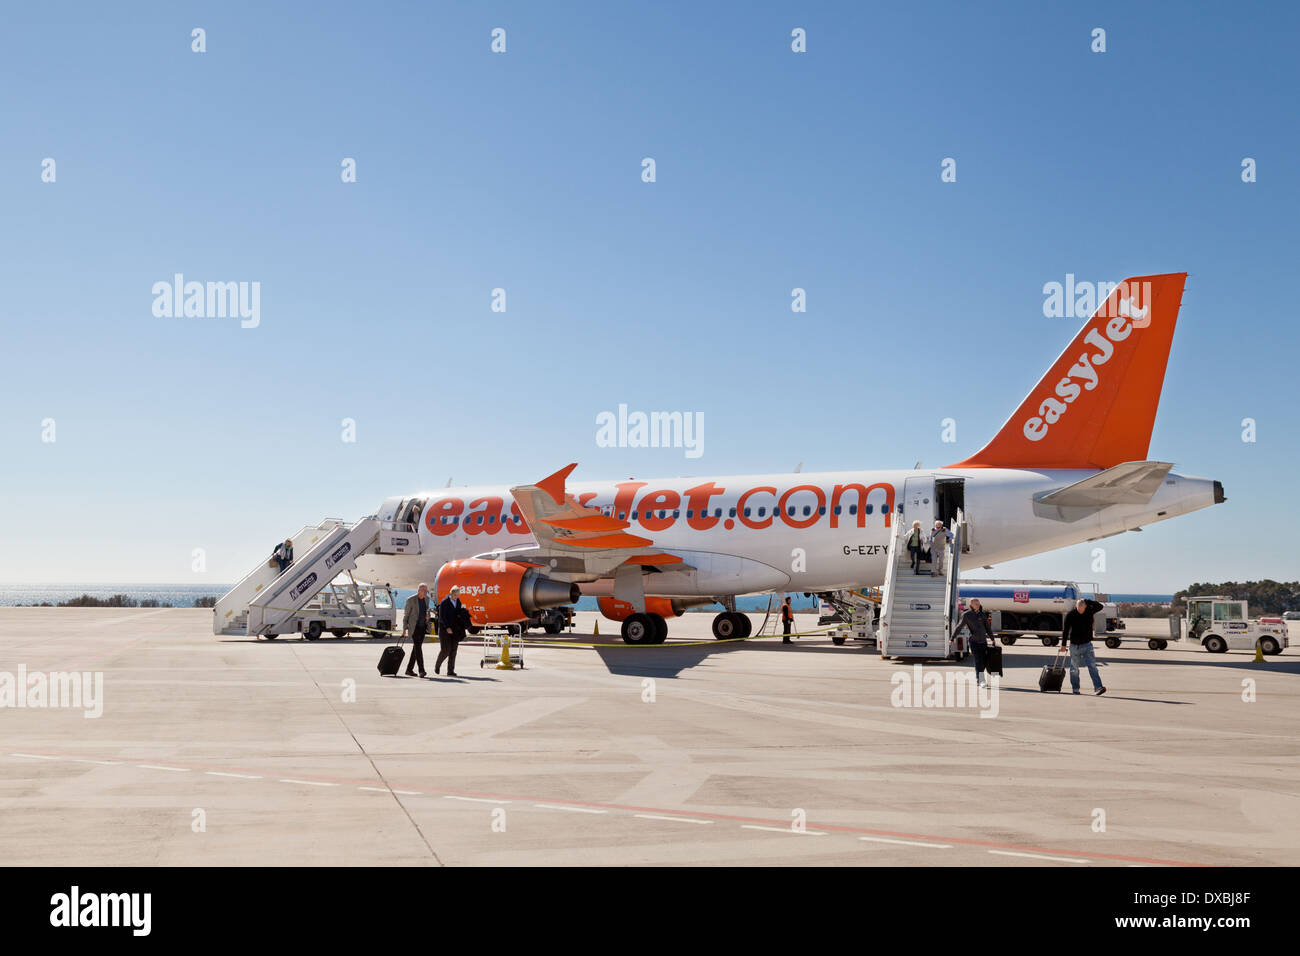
(744, 534)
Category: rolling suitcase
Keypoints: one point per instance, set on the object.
(993, 660)
(390, 662)
(1053, 675)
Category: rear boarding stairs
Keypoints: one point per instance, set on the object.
(917, 610)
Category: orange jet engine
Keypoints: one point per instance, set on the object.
(617, 610)
(502, 592)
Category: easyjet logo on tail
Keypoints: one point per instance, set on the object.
(1085, 374)
(1114, 373)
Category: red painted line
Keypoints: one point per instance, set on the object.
(439, 791)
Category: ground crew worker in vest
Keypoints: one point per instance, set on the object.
(787, 618)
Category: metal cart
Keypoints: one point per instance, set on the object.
(494, 638)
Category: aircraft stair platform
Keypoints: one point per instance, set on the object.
(266, 597)
(916, 612)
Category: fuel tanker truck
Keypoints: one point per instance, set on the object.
(1037, 609)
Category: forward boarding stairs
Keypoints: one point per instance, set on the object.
(266, 598)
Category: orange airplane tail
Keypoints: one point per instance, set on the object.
(1096, 405)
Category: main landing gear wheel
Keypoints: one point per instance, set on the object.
(746, 625)
(727, 625)
(661, 628)
(639, 629)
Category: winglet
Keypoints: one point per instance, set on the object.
(553, 485)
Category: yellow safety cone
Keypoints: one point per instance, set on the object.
(505, 664)
(595, 629)
(1259, 653)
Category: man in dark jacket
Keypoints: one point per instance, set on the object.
(1077, 630)
(453, 618)
(977, 626)
(787, 618)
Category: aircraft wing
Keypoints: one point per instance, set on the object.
(579, 541)
(1130, 483)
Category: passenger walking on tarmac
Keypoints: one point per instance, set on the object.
(977, 626)
(452, 621)
(1077, 629)
(940, 538)
(283, 554)
(916, 546)
(415, 625)
(787, 618)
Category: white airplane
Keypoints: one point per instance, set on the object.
(1068, 466)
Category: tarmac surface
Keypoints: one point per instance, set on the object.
(235, 751)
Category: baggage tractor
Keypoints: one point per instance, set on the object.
(390, 661)
(1053, 674)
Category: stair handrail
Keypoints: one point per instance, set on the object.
(954, 573)
(887, 586)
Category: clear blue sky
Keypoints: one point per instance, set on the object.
(523, 171)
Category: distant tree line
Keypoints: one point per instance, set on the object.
(121, 600)
(1263, 597)
(1143, 610)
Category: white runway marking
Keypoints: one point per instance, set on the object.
(553, 806)
(1038, 856)
(937, 846)
(309, 783)
(510, 717)
(448, 796)
(550, 806)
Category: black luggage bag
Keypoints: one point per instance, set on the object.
(1053, 675)
(390, 662)
(993, 660)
